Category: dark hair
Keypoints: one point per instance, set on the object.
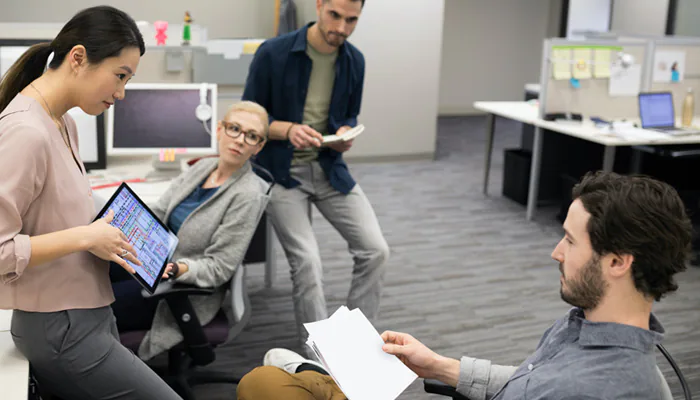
(640, 216)
(104, 31)
(363, 1)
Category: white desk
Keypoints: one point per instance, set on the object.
(527, 112)
(14, 368)
(5, 319)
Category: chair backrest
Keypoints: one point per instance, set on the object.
(256, 252)
(666, 390)
(240, 303)
(684, 385)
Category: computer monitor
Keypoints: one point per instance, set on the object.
(153, 117)
(656, 110)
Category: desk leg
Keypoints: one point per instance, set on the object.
(609, 158)
(534, 186)
(269, 255)
(636, 164)
(490, 124)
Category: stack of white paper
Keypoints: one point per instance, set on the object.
(640, 134)
(351, 350)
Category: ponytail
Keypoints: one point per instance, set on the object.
(24, 71)
(104, 31)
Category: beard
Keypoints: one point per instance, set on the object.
(587, 289)
(333, 39)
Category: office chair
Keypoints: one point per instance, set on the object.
(200, 342)
(437, 387)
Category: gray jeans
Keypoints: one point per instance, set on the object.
(352, 215)
(76, 354)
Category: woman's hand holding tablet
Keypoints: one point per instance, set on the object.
(144, 232)
(109, 243)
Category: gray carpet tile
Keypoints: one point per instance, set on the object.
(467, 275)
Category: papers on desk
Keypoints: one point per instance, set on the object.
(351, 350)
(561, 64)
(637, 134)
(582, 67)
(601, 63)
(625, 81)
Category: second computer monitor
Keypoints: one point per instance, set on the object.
(152, 117)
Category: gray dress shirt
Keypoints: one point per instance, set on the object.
(576, 359)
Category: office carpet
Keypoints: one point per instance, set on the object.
(468, 274)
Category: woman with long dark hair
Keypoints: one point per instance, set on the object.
(54, 270)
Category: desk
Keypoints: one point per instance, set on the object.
(528, 113)
(14, 368)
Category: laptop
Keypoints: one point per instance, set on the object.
(657, 114)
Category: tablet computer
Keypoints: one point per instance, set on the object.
(153, 241)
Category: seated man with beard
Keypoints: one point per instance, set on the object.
(625, 238)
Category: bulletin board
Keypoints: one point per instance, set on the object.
(601, 85)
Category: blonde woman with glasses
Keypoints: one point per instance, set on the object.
(214, 208)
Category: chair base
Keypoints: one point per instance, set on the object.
(182, 375)
(184, 383)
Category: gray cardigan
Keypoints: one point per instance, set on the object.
(213, 241)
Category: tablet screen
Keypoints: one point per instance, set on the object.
(152, 240)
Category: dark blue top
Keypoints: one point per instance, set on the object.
(189, 204)
(278, 80)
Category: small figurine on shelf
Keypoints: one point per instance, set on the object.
(186, 32)
(161, 27)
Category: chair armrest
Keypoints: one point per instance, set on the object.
(170, 288)
(437, 387)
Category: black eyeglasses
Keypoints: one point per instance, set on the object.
(233, 130)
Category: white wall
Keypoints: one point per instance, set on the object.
(644, 17)
(687, 17)
(402, 45)
(401, 41)
(491, 49)
(588, 15)
(224, 19)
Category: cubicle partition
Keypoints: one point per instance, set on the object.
(602, 78)
(652, 59)
(687, 53)
(590, 93)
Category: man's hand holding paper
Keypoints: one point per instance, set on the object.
(351, 350)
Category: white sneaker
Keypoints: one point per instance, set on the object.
(287, 360)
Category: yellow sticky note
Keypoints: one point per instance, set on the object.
(582, 64)
(601, 63)
(561, 63)
(251, 47)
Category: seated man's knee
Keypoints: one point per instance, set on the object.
(262, 383)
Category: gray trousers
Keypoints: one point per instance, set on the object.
(76, 354)
(352, 215)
